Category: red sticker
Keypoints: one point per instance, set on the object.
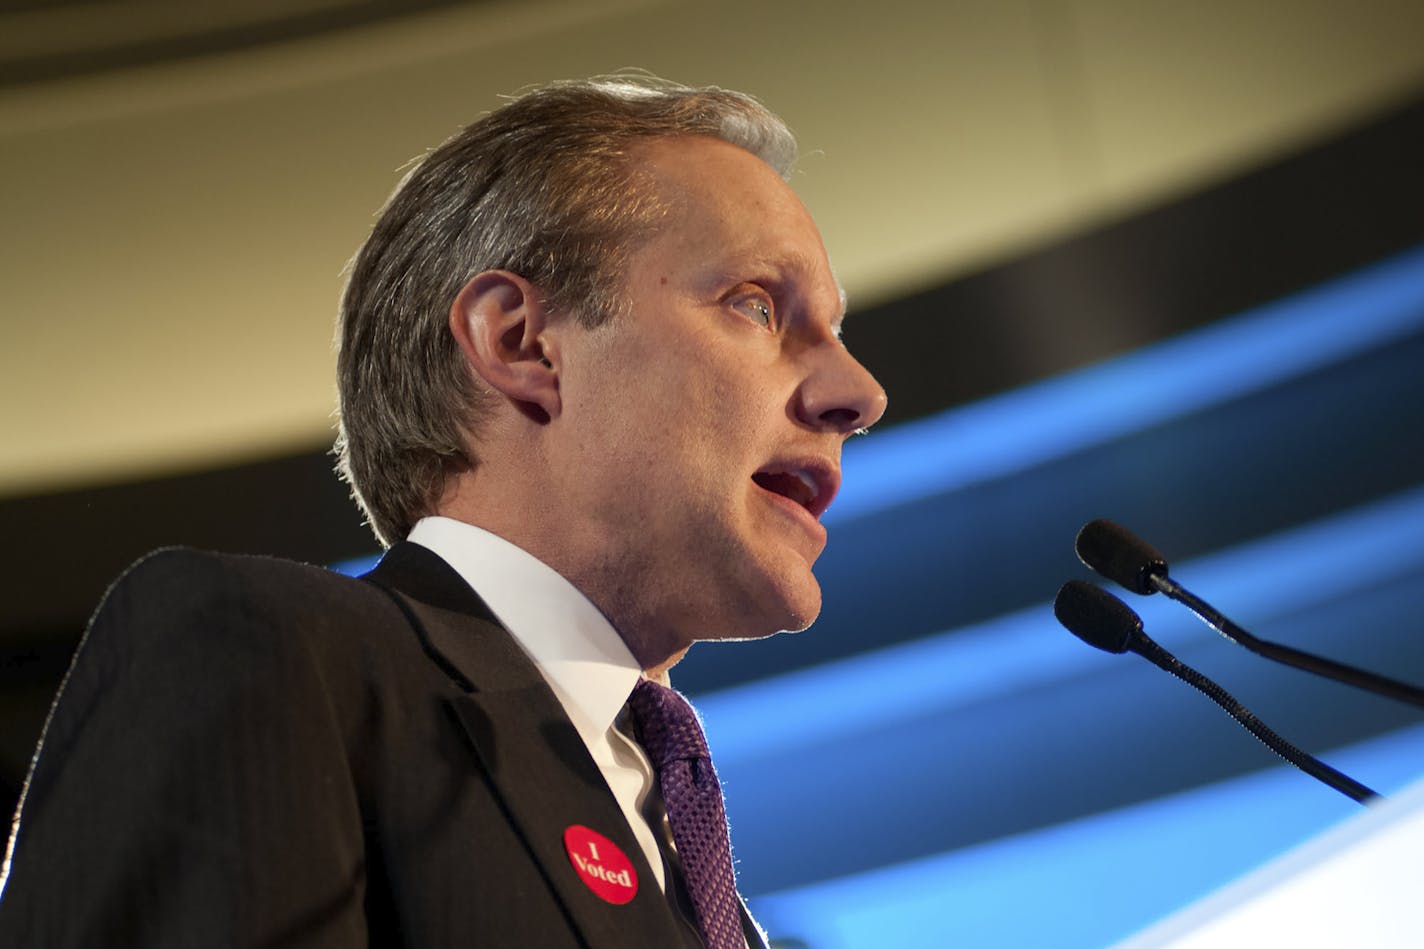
(604, 868)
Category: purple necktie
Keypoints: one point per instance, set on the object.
(667, 728)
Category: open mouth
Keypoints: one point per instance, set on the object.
(807, 488)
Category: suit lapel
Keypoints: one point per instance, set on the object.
(527, 747)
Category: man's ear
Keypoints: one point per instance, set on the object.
(500, 322)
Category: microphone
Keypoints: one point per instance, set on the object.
(1103, 621)
(1123, 557)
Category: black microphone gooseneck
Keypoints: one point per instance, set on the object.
(1121, 556)
(1103, 621)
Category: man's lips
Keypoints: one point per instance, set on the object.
(811, 484)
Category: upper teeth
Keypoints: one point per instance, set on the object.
(809, 482)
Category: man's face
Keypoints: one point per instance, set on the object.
(703, 428)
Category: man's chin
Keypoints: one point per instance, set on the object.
(799, 608)
(804, 618)
(784, 615)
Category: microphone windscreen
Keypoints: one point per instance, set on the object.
(1120, 555)
(1096, 616)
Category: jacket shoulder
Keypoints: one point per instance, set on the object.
(180, 587)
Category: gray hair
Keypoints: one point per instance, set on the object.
(543, 187)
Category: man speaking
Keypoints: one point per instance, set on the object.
(593, 397)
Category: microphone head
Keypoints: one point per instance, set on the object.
(1120, 555)
(1096, 616)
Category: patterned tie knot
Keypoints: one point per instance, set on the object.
(666, 725)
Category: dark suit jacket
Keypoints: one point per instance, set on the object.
(251, 752)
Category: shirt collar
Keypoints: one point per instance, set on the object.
(577, 650)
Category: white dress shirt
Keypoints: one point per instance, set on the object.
(575, 648)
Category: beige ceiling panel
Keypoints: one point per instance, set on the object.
(1183, 94)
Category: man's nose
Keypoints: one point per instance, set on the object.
(839, 394)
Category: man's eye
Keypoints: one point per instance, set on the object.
(756, 309)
